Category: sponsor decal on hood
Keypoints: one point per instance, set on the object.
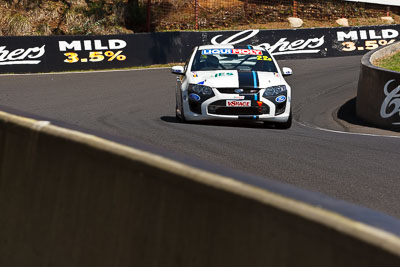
(222, 74)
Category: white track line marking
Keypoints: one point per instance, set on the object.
(341, 132)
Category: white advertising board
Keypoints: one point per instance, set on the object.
(379, 2)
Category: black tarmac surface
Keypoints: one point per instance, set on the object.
(139, 105)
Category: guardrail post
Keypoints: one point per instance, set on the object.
(342, 7)
(148, 17)
(196, 13)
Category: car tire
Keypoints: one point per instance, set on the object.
(177, 116)
(285, 125)
(181, 117)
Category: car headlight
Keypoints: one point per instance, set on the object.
(201, 89)
(274, 90)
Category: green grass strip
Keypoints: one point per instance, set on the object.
(391, 63)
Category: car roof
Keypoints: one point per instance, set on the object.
(227, 46)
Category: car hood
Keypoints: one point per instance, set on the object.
(235, 79)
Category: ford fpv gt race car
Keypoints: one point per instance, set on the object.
(226, 82)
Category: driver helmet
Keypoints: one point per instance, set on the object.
(212, 61)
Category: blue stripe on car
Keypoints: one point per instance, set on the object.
(255, 79)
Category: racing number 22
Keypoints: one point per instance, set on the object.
(266, 58)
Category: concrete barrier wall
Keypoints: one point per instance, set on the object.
(71, 199)
(378, 98)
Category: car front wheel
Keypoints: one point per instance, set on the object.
(285, 125)
(180, 117)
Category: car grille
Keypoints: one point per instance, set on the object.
(232, 91)
(220, 108)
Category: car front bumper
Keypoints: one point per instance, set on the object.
(267, 112)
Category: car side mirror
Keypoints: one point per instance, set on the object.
(287, 71)
(178, 70)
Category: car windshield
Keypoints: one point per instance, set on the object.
(233, 59)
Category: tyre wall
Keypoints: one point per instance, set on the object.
(378, 94)
(71, 199)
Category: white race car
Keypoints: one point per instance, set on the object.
(226, 82)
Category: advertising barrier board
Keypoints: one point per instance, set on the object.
(68, 53)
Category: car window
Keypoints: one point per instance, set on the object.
(233, 59)
(186, 65)
(188, 60)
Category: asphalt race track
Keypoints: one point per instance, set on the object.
(139, 105)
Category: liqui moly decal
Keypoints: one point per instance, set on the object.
(281, 47)
(231, 51)
(391, 104)
(21, 56)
